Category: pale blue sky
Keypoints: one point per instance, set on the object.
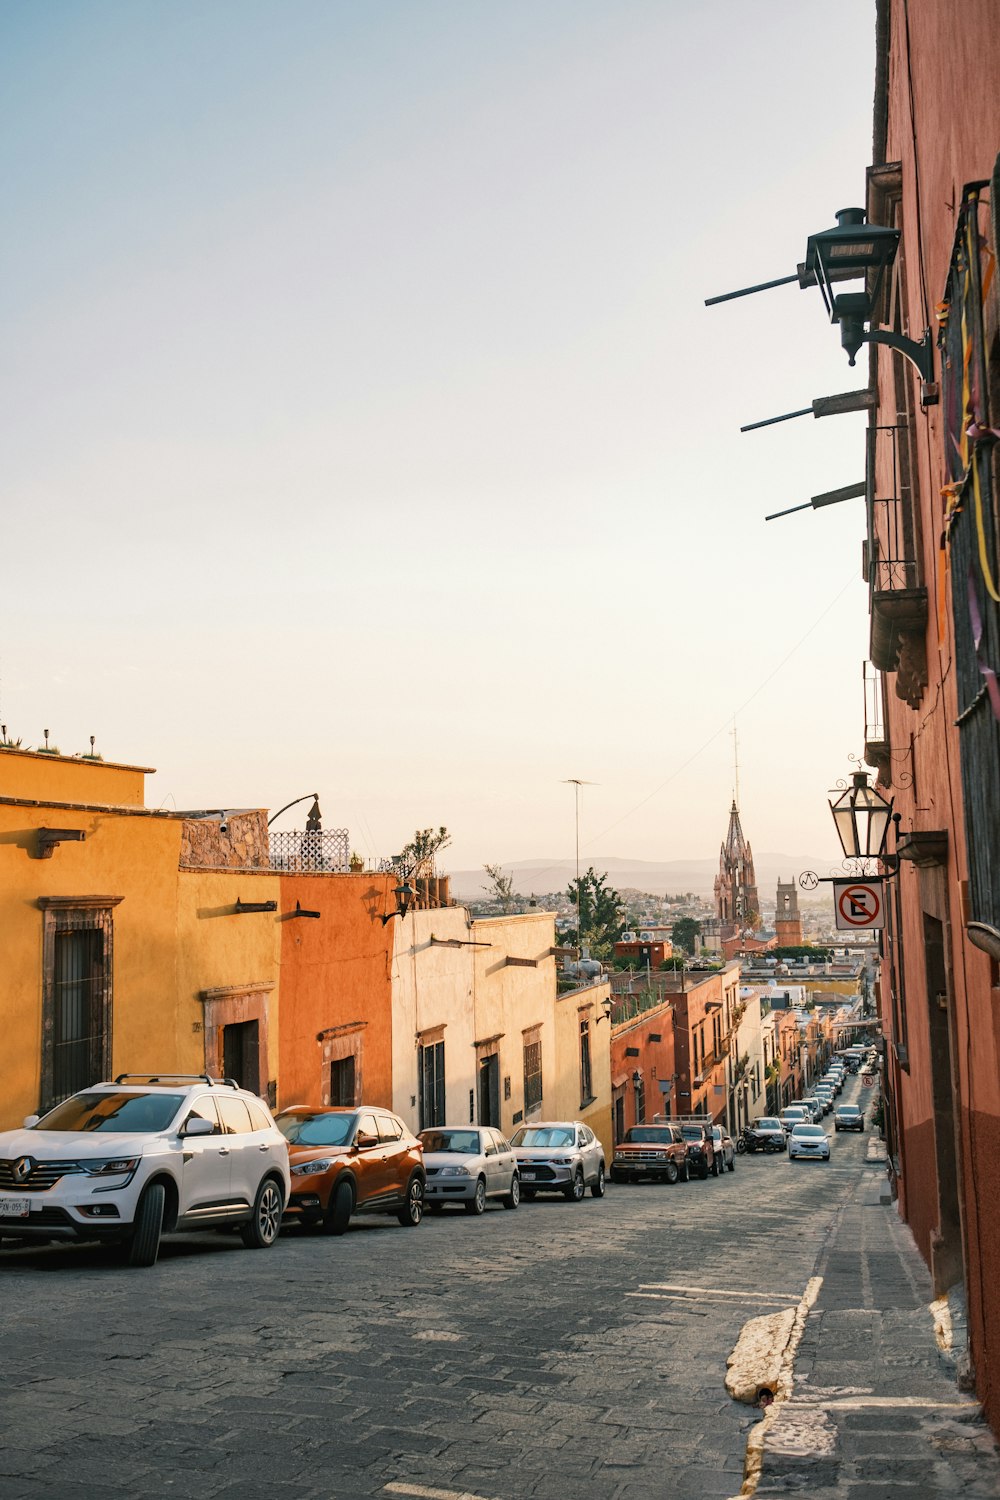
(365, 430)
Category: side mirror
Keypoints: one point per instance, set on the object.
(30, 1121)
(363, 1140)
(197, 1126)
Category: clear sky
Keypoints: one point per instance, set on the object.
(365, 430)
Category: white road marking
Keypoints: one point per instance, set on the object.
(424, 1493)
(887, 1403)
(687, 1297)
(717, 1291)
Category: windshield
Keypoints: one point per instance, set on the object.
(107, 1113)
(316, 1130)
(463, 1142)
(812, 1131)
(543, 1135)
(692, 1132)
(767, 1125)
(649, 1135)
(848, 1109)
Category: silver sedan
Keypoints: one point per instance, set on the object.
(468, 1164)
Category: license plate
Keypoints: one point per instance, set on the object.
(528, 1176)
(15, 1208)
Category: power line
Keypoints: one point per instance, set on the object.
(722, 729)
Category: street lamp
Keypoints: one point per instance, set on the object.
(861, 817)
(855, 250)
(404, 894)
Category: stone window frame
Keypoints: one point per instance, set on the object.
(231, 1005)
(75, 914)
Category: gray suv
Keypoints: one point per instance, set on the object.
(145, 1155)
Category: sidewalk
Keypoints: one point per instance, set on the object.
(876, 1412)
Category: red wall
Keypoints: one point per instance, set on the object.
(655, 1062)
(335, 981)
(943, 77)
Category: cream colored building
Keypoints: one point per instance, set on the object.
(478, 1033)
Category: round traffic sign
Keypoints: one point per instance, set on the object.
(860, 904)
(868, 1080)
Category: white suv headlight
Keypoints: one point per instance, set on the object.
(119, 1166)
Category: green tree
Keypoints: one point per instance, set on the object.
(417, 857)
(685, 933)
(602, 915)
(501, 888)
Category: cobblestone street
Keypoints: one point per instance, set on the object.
(560, 1351)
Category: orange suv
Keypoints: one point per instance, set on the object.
(348, 1161)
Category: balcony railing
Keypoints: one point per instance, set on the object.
(898, 598)
(876, 743)
(327, 852)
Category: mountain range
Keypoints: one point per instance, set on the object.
(658, 877)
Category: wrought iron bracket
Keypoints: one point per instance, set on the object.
(920, 355)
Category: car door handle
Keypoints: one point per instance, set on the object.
(223, 1150)
(263, 1146)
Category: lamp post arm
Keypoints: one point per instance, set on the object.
(294, 803)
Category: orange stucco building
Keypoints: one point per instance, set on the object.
(336, 989)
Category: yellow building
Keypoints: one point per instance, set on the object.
(127, 939)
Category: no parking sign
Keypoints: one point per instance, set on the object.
(859, 904)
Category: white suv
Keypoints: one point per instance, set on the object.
(142, 1156)
(562, 1156)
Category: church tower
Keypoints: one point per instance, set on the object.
(736, 902)
(787, 921)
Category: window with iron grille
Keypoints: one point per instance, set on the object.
(430, 1065)
(77, 953)
(971, 405)
(532, 1073)
(586, 1080)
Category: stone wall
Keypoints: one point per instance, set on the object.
(243, 846)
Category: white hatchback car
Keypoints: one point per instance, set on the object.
(142, 1156)
(561, 1156)
(467, 1164)
(808, 1140)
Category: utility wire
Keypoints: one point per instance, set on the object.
(723, 728)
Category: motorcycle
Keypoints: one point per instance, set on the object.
(749, 1140)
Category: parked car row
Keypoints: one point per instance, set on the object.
(671, 1152)
(142, 1156)
(148, 1155)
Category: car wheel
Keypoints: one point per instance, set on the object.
(412, 1210)
(715, 1166)
(576, 1189)
(261, 1230)
(513, 1198)
(144, 1244)
(339, 1209)
(703, 1170)
(528, 1194)
(477, 1203)
(616, 1176)
(597, 1188)
(684, 1172)
(670, 1172)
(731, 1164)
